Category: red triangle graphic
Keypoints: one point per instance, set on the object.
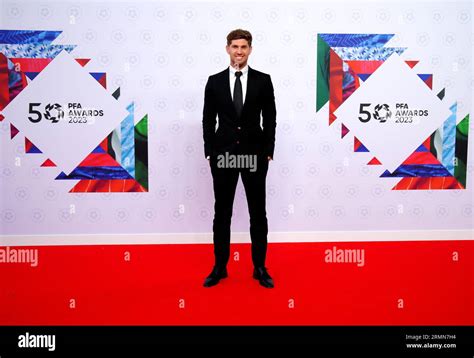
(357, 143)
(344, 130)
(48, 163)
(13, 131)
(28, 145)
(412, 63)
(103, 81)
(83, 61)
(374, 161)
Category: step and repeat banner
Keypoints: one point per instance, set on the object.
(101, 115)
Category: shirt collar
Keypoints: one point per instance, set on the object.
(244, 70)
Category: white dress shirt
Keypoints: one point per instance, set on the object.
(243, 80)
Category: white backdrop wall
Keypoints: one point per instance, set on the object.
(160, 55)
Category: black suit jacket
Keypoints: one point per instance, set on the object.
(239, 135)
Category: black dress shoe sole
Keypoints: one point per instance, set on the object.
(263, 283)
(213, 283)
(266, 285)
(210, 284)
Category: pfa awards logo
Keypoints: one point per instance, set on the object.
(55, 112)
(382, 113)
(392, 111)
(36, 116)
(65, 112)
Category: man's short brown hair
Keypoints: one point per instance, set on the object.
(239, 34)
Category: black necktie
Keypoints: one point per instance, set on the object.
(238, 97)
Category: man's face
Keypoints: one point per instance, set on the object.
(239, 52)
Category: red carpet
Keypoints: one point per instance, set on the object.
(162, 285)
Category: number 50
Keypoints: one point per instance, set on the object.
(37, 113)
(366, 113)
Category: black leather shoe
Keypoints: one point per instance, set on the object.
(215, 276)
(261, 274)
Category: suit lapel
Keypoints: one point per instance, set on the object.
(228, 95)
(250, 93)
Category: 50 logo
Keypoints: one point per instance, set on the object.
(381, 112)
(52, 112)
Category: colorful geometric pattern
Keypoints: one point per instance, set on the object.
(108, 169)
(344, 62)
(120, 161)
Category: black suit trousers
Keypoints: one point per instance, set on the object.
(225, 182)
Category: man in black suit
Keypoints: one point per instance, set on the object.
(241, 98)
